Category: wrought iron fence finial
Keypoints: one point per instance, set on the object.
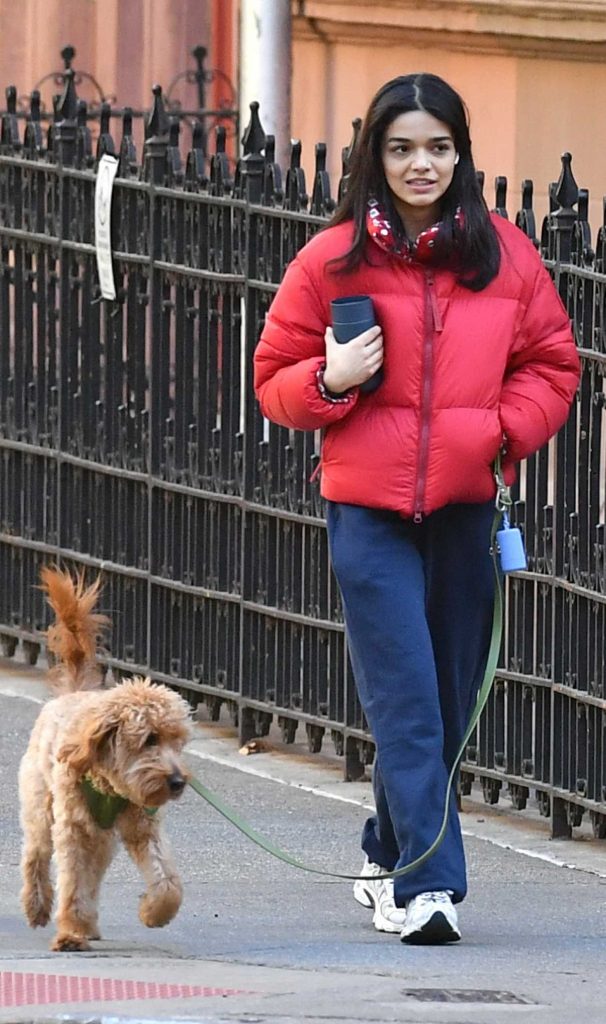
(220, 179)
(9, 129)
(84, 142)
(582, 253)
(321, 200)
(67, 55)
(556, 235)
(105, 142)
(272, 183)
(157, 123)
(347, 155)
(525, 218)
(500, 189)
(32, 139)
(348, 151)
(253, 140)
(128, 153)
(195, 168)
(34, 105)
(67, 106)
(199, 53)
(295, 192)
(174, 167)
(197, 135)
(527, 192)
(567, 190)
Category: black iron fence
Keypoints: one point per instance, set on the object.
(131, 443)
(95, 113)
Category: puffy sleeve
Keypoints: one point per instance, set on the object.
(542, 372)
(290, 353)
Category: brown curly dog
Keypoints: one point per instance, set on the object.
(99, 767)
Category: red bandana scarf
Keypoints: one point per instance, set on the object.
(381, 231)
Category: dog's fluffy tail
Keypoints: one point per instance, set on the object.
(72, 638)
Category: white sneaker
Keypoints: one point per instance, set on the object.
(378, 893)
(430, 920)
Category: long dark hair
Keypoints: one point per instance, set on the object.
(472, 237)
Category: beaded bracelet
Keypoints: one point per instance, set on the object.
(330, 396)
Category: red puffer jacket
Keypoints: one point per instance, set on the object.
(464, 371)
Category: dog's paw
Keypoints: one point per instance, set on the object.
(160, 905)
(37, 907)
(39, 920)
(66, 943)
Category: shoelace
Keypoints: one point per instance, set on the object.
(433, 897)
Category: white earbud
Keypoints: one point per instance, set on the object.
(456, 159)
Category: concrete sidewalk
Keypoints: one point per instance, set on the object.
(258, 941)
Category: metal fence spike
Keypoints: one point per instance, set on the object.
(253, 139)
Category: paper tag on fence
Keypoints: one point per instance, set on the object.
(108, 166)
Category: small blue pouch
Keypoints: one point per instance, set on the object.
(512, 554)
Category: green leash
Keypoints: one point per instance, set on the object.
(503, 500)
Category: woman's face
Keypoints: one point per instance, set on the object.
(419, 157)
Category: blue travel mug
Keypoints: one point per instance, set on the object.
(511, 548)
(352, 316)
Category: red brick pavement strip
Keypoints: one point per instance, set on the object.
(29, 989)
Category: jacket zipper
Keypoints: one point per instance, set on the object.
(432, 325)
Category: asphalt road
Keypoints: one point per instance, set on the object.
(297, 946)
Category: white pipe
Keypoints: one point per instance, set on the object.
(266, 68)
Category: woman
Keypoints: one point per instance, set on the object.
(477, 358)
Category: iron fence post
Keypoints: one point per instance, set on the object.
(64, 154)
(251, 173)
(155, 149)
(561, 221)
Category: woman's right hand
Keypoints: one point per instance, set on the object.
(352, 364)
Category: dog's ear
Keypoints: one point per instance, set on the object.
(81, 751)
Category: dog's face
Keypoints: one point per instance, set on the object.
(132, 739)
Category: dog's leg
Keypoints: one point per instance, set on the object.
(149, 848)
(82, 853)
(104, 854)
(36, 821)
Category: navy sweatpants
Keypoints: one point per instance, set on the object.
(418, 602)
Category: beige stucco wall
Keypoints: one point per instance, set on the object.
(533, 76)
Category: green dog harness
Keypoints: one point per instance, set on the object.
(105, 807)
